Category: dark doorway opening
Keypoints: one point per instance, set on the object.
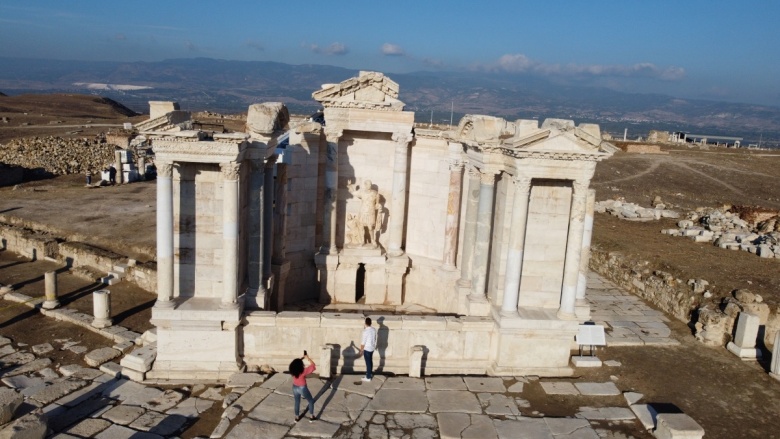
(360, 282)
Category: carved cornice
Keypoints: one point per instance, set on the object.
(555, 155)
(196, 147)
(230, 170)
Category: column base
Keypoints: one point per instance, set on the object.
(510, 314)
(582, 310)
(463, 283)
(775, 375)
(101, 323)
(164, 304)
(563, 315)
(256, 298)
(394, 253)
(745, 354)
(50, 304)
(478, 306)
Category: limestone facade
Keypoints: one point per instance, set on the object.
(481, 229)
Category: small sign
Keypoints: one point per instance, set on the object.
(591, 335)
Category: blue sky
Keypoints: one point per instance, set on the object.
(724, 50)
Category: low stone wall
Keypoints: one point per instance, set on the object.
(28, 243)
(36, 245)
(450, 344)
(645, 149)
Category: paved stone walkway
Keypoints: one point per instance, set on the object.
(628, 320)
(84, 401)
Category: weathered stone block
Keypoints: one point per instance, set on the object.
(677, 426)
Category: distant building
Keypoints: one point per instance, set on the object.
(706, 139)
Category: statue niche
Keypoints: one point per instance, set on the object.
(363, 229)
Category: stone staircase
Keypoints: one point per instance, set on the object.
(117, 273)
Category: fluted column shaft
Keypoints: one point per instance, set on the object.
(470, 229)
(487, 188)
(571, 267)
(330, 198)
(268, 215)
(230, 172)
(453, 215)
(164, 235)
(514, 260)
(398, 200)
(582, 281)
(280, 214)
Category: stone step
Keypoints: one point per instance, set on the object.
(120, 268)
(110, 280)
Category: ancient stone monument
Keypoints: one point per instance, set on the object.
(466, 244)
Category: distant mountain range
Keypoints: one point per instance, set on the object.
(231, 86)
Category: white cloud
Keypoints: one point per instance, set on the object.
(331, 49)
(389, 49)
(519, 63)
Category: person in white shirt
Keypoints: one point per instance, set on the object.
(367, 347)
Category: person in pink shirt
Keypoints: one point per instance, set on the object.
(299, 372)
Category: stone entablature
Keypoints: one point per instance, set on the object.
(369, 90)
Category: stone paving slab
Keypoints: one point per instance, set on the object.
(318, 428)
(120, 432)
(251, 398)
(598, 389)
(278, 409)
(498, 404)
(353, 383)
(340, 407)
(445, 383)
(251, 428)
(89, 427)
(570, 428)
(457, 401)
(123, 414)
(485, 384)
(606, 414)
(404, 383)
(530, 428)
(393, 400)
(559, 388)
(462, 425)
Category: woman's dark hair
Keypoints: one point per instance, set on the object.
(296, 367)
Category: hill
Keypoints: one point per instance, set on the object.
(231, 86)
(65, 105)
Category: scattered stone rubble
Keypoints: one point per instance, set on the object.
(58, 155)
(634, 212)
(724, 228)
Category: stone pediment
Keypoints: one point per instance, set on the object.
(369, 90)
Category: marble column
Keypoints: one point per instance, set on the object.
(582, 281)
(470, 228)
(164, 235)
(398, 199)
(331, 191)
(571, 267)
(120, 175)
(514, 259)
(256, 287)
(487, 187)
(280, 214)
(268, 215)
(230, 172)
(453, 215)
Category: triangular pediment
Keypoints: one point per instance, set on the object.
(371, 90)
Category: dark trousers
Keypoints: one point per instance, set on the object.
(369, 357)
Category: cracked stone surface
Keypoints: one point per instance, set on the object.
(457, 401)
(485, 384)
(559, 388)
(445, 383)
(394, 400)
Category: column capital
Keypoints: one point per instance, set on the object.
(402, 137)
(522, 183)
(580, 187)
(230, 170)
(472, 170)
(488, 176)
(456, 164)
(271, 161)
(164, 169)
(333, 134)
